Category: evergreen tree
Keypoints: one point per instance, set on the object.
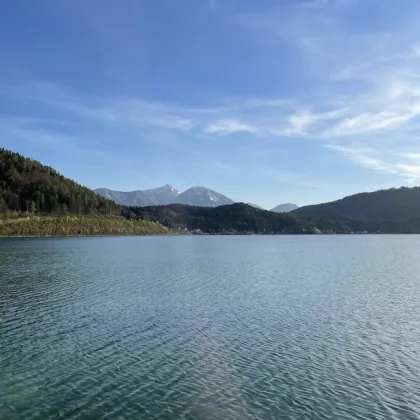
(28, 186)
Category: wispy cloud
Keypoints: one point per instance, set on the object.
(405, 165)
(367, 87)
(387, 107)
(263, 117)
(228, 127)
(411, 156)
(364, 157)
(364, 90)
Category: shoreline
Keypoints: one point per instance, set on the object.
(192, 234)
(75, 236)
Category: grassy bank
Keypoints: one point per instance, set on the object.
(77, 225)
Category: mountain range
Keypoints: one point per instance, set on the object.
(285, 208)
(36, 200)
(153, 197)
(167, 194)
(28, 188)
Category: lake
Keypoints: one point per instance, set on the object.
(210, 327)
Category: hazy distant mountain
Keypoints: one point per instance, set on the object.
(285, 208)
(162, 195)
(204, 197)
(167, 194)
(125, 198)
(195, 196)
(153, 197)
(256, 206)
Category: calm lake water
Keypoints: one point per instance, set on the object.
(251, 327)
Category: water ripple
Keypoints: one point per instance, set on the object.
(210, 328)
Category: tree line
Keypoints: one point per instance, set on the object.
(234, 218)
(28, 186)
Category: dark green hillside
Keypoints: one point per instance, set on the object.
(239, 218)
(28, 186)
(35, 200)
(394, 205)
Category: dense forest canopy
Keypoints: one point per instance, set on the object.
(27, 185)
(369, 216)
(395, 204)
(238, 217)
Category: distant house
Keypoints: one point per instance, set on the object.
(197, 231)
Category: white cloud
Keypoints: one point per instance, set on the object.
(367, 81)
(409, 171)
(228, 127)
(360, 92)
(367, 93)
(365, 123)
(384, 110)
(392, 103)
(363, 157)
(300, 121)
(391, 163)
(411, 156)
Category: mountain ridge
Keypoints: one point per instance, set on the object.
(285, 208)
(167, 194)
(34, 192)
(256, 206)
(398, 206)
(203, 197)
(124, 198)
(225, 219)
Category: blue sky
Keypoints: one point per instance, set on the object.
(266, 101)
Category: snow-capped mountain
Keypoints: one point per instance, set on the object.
(285, 208)
(204, 197)
(167, 194)
(130, 198)
(195, 196)
(162, 195)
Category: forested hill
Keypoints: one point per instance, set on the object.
(235, 218)
(27, 185)
(397, 205)
(30, 189)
